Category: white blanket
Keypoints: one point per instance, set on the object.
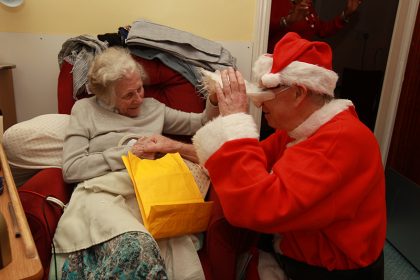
(106, 206)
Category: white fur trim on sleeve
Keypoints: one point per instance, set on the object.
(214, 134)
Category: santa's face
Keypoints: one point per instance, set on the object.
(279, 111)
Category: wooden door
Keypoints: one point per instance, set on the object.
(404, 153)
(403, 163)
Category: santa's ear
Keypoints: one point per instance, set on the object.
(301, 93)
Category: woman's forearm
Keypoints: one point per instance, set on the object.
(187, 151)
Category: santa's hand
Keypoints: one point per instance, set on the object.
(232, 98)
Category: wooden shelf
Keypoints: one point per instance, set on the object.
(7, 96)
(25, 263)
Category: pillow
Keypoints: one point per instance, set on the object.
(36, 143)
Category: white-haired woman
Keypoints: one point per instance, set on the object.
(101, 233)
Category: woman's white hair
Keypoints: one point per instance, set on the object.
(106, 69)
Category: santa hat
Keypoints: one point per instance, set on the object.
(296, 61)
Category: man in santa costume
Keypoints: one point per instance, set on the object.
(317, 183)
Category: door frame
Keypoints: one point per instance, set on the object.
(394, 75)
(261, 28)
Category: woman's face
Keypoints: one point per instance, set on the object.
(129, 95)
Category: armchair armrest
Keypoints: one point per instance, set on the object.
(224, 242)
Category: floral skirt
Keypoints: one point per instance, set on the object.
(132, 255)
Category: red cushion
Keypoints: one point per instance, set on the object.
(224, 242)
(65, 89)
(42, 215)
(170, 87)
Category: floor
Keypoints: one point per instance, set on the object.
(397, 267)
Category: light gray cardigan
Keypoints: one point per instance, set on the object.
(95, 138)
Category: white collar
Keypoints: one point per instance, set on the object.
(317, 119)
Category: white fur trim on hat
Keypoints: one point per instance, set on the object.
(315, 78)
(215, 133)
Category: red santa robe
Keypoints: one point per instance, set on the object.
(309, 27)
(321, 187)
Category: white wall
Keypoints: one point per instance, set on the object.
(217, 20)
(31, 35)
(36, 72)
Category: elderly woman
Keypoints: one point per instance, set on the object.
(101, 234)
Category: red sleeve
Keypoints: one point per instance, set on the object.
(306, 189)
(279, 9)
(265, 201)
(306, 28)
(329, 28)
(274, 146)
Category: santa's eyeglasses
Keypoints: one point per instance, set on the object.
(265, 94)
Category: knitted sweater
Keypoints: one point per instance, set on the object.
(96, 137)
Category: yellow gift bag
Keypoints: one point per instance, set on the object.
(170, 201)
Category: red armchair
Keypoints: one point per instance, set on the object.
(222, 244)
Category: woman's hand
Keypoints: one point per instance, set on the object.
(232, 98)
(149, 147)
(138, 149)
(158, 144)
